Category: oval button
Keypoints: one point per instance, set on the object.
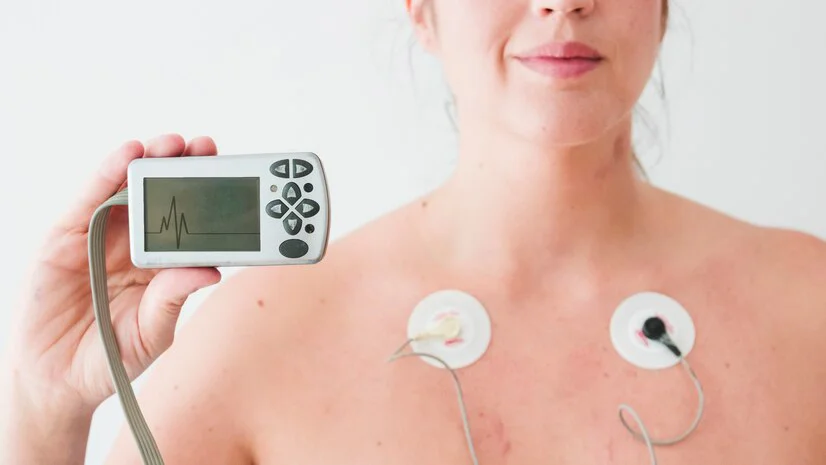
(294, 248)
(291, 193)
(301, 168)
(308, 208)
(281, 168)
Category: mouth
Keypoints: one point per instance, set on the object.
(562, 60)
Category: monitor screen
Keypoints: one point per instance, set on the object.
(202, 214)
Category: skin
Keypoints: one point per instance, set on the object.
(543, 220)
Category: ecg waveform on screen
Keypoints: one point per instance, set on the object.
(178, 221)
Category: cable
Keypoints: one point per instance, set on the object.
(462, 408)
(643, 434)
(100, 301)
(448, 329)
(654, 329)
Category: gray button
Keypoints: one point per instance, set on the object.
(277, 209)
(291, 193)
(301, 168)
(292, 224)
(308, 208)
(281, 168)
(294, 248)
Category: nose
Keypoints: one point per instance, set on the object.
(548, 7)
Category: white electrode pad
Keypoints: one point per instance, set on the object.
(474, 334)
(629, 340)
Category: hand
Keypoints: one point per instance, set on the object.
(56, 350)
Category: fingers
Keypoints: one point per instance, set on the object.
(201, 146)
(167, 145)
(161, 304)
(111, 175)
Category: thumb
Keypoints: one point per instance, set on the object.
(161, 304)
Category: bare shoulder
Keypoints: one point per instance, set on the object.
(778, 272)
(251, 340)
(792, 265)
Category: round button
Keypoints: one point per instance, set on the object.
(294, 248)
(308, 187)
(310, 228)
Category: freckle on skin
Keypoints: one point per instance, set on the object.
(260, 303)
(498, 433)
(424, 203)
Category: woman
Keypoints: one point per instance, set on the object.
(544, 221)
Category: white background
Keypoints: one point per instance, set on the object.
(741, 130)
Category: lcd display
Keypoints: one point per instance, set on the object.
(202, 214)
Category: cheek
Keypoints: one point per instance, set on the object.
(471, 38)
(637, 42)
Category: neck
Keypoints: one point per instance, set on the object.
(515, 210)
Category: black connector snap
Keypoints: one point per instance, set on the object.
(654, 329)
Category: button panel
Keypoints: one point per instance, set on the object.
(292, 208)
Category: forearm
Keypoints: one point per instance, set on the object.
(38, 434)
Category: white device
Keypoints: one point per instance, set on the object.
(629, 341)
(231, 210)
(472, 325)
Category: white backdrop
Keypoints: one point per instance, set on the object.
(740, 129)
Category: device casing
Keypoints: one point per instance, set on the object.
(273, 231)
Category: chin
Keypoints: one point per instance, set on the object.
(562, 118)
(553, 127)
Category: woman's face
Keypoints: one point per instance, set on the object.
(492, 55)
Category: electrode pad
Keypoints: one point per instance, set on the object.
(474, 333)
(629, 340)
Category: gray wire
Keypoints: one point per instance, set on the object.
(462, 409)
(100, 300)
(645, 437)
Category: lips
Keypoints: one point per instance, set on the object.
(563, 60)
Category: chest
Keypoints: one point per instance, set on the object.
(548, 391)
